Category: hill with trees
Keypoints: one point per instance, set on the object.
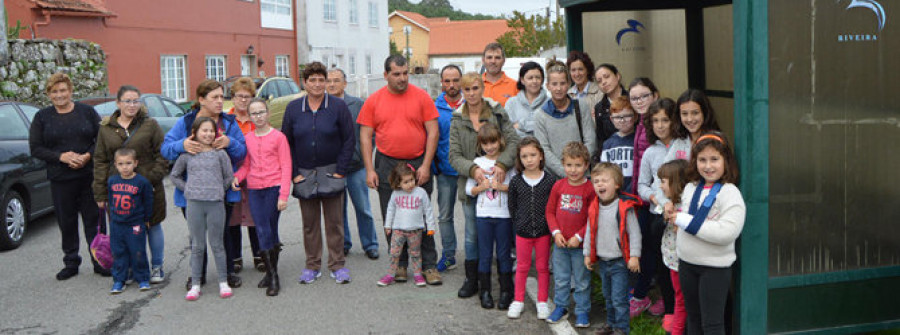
(436, 8)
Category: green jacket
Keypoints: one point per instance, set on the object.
(464, 144)
(146, 141)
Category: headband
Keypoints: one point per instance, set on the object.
(410, 167)
(712, 136)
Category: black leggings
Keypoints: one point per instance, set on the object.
(705, 291)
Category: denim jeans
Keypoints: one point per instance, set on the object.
(264, 208)
(446, 198)
(359, 194)
(471, 238)
(569, 269)
(157, 241)
(126, 242)
(615, 289)
(491, 231)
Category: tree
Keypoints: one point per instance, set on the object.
(531, 34)
(435, 8)
(394, 49)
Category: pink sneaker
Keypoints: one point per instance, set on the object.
(193, 294)
(386, 280)
(638, 306)
(657, 308)
(419, 280)
(667, 322)
(224, 290)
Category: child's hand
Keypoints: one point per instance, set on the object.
(495, 183)
(430, 233)
(282, 205)
(101, 204)
(634, 264)
(588, 264)
(147, 224)
(669, 212)
(486, 184)
(560, 240)
(574, 242)
(387, 232)
(298, 178)
(653, 199)
(236, 184)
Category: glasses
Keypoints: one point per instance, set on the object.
(131, 102)
(622, 118)
(243, 96)
(643, 97)
(258, 114)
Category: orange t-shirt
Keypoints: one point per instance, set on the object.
(501, 90)
(399, 121)
(246, 126)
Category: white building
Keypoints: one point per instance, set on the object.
(349, 34)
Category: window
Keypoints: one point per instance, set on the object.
(215, 68)
(12, 127)
(330, 11)
(373, 14)
(354, 12)
(326, 61)
(276, 14)
(281, 66)
(29, 111)
(174, 77)
(351, 64)
(154, 107)
(368, 64)
(409, 53)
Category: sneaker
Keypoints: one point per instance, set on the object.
(605, 329)
(558, 314)
(419, 280)
(446, 263)
(433, 277)
(582, 320)
(117, 288)
(667, 322)
(341, 276)
(400, 277)
(193, 294)
(543, 311)
(309, 276)
(515, 309)
(190, 283)
(157, 275)
(638, 306)
(66, 273)
(657, 308)
(144, 286)
(386, 280)
(224, 290)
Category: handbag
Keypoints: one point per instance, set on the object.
(100, 248)
(319, 183)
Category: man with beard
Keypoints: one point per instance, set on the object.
(449, 100)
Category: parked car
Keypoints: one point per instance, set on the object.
(24, 187)
(277, 107)
(161, 108)
(266, 88)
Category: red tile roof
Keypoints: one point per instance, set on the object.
(464, 37)
(86, 6)
(415, 18)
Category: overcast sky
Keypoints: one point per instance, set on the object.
(497, 7)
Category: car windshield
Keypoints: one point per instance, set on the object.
(106, 108)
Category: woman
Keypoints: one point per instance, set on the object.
(64, 136)
(609, 79)
(532, 96)
(210, 96)
(464, 126)
(320, 133)
(581, 70)
(242, 91)
(130, 126)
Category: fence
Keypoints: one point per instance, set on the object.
(363, 86)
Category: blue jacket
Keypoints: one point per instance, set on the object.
(441, 163)
(173, 146)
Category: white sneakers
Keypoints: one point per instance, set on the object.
(543, 311)
(515, 310)
(193, 294)
(224, 290)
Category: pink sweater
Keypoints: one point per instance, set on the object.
(268, 162)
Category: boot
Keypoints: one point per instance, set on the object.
(506, 291)
(259, 264)
(238, 264)
(484, 279)
(470, 285)
(274, 284)
(265, 259)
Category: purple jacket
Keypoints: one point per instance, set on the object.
(640, 145)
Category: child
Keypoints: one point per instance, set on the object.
(619, 148)
(211, 175)
(492, 218)
(267, 170)
(613, 242)
(528, 195)
(711, 218)
(672, 177)
(130, 211)
(403, 223)
(567, 218)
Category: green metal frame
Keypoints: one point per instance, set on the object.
(833, 277)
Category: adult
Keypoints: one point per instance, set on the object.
(357, 190)
(581, 70)
(64, 135)
(610, 81)
(404, 121)
(242, 91)
(531, 98)
(319, 131)
(467, 120)
(497, 85)
(131, 127)
(448, 101)
(179, 140)
(562, 120)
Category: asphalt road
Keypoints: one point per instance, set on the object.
(32, 301)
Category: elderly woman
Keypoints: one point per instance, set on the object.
(242, 91)
(319, 131)
(581, 71)
(179, 140)
(467, 120)
(130, 126)
(532, 96)
(64, 136)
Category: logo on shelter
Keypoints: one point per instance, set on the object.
(632, 28)
(880, 20)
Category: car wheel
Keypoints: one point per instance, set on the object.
(14, 218)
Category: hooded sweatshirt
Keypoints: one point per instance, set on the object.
(522, 112)
(554, 129)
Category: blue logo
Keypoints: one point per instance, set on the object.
(632, 28)
(872, 5)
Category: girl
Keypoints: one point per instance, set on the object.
(242, 91)
(408, 206)
(528, 196)
(492, 218)
(710, 219)
(695, 114)
(211, 175)
(267, 171)
(609, 79)
(672, 177)
(642, 93)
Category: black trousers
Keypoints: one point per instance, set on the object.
(705, 291)
(383, 166)
(71, 198)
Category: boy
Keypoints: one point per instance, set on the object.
(567, 219)
(619, 148)
(612, 242)
(130, 209)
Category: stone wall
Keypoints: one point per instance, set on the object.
(33, 61)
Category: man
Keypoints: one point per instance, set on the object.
(356, 178)
(404, 121)
(449, 100)
(497, 85)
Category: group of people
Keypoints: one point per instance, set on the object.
(563, 166)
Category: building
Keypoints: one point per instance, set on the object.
(349, 34)
(170, 46)
(462, 42)
(410, 33)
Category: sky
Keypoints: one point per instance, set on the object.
(497, 7)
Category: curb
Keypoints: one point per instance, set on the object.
(563, 327)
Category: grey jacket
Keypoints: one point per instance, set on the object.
(210, 172)
(522, 112)
(654, 157)
(554, 133)
(355, 104)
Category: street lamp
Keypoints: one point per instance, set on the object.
(406, 31)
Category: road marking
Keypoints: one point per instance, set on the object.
(563, 327)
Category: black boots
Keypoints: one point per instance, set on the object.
(259, 264)
(470, 285)
(484, 279)
(506, 291)
(270, 281)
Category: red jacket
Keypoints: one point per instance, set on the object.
(627, 202)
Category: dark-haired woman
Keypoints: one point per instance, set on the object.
(610, 81)
(581, 71)
(532, 96)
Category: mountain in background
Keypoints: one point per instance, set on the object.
(436, 8)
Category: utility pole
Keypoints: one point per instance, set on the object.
(4, 44)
